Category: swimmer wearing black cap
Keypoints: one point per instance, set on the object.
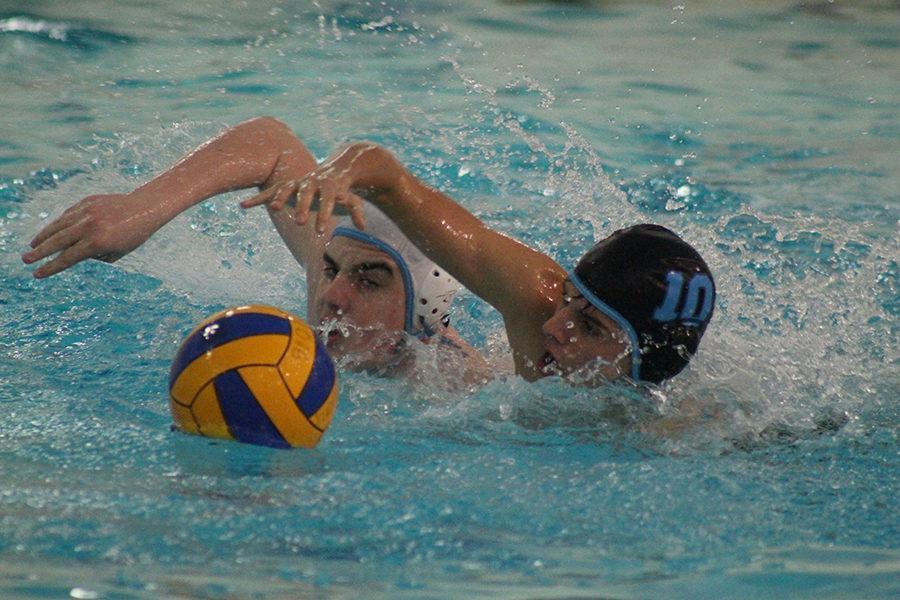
(635, 306)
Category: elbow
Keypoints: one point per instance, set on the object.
(268, 123)
(267, 120)
(264, 127)
(376, 167)
(367, 149)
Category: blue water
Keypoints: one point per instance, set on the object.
(768, 135)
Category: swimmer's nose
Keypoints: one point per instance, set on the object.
(336, 296)
(554, 327)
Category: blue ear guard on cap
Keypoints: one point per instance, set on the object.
(613, 314)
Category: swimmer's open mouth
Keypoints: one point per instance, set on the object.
(548, 363)
(331, 331)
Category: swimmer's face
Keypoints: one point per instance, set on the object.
(361, 304)
(583, 343)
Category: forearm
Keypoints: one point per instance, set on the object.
(444, 230)
(261, 152)
(447, 232)
(253, 153)
(505, 273)
(482, 259)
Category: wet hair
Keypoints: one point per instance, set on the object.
(657, 288)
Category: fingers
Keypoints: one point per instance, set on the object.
(325, 191)
(70, 256)
(306, 194)
(63, 221)
(357, 211)
(263, 197)
(284, 193)
(328, 195)
(60, 240)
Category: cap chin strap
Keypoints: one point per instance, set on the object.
(613, 314)
(362, 236)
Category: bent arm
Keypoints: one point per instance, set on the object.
(260, 152)
(504, 272)
(257, 153)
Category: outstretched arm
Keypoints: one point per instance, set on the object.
(261, 152)
(505, 273)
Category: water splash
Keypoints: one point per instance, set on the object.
(70, 34)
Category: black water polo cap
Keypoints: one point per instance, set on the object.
(657, 288)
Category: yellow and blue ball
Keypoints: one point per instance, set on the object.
(254, 374)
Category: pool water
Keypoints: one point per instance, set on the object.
(766, 134)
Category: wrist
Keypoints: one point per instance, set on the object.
(156, 205)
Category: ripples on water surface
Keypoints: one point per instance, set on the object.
(767, 135)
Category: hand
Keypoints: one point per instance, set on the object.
(334, 186)
(105, 227)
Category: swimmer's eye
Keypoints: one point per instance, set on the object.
(368, 283)
(330, 272)
(593, 328)
(371, 278)
(568, 299)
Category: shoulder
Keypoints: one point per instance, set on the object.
(476, 368)
(539, 294)
(449, 338)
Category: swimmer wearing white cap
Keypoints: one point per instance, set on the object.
(372, 293)
(428, 290)
(375, 284)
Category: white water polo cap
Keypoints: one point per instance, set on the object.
(429, 288)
